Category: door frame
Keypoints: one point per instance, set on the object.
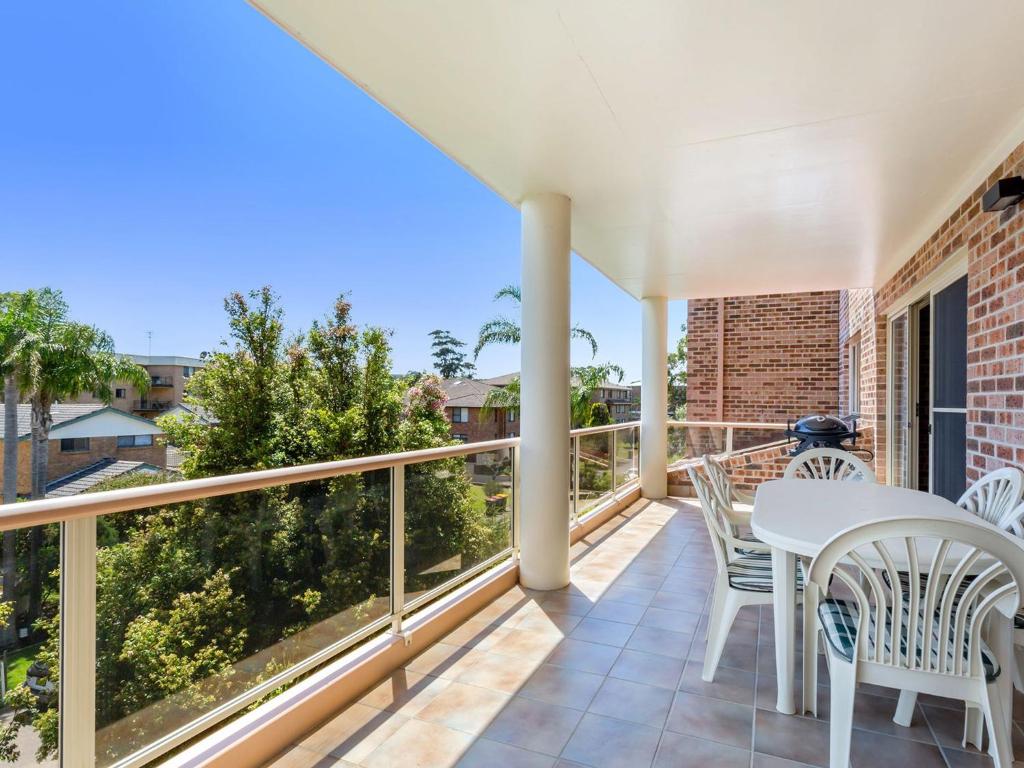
(940, 278)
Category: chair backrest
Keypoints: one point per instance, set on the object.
(996, 498)
(714, 516)
(828, 464)
(721, 484)
(931, 617)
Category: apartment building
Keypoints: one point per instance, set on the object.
(168, 375)
(618, 397)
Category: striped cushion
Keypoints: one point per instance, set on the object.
(838, 620)
(753, 573)
(749, 537)
(1018, 620)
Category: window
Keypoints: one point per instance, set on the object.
(511, 434)
(462, 438)
(134, 441)
(460, 415)
(74, 444)
(513, 415)
(854, 403)
(120, 393)
(188, 370)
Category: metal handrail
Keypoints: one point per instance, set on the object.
(726, 424)
(43, 511)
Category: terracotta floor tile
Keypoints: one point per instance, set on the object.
(534, 725)
(562, 686)
(419, 744)
(635, 702)
(601, 631)
(729, 684)
(446, 661)
(648, 668)
(613, 610)
(663, 642)
(678, 751)
(464, 707)
(800, 739)
(353, 733)
(488, 754)
(602, 742)
(723, 721)
(499, 673)
(580, 654)
(875, 749)
(405, 692)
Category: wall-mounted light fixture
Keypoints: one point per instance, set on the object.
(1003, 194)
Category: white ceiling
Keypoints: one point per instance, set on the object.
(711, 147)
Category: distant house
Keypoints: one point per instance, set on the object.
(464, 410)
(618, 397)
(90, 437)
(168, 375)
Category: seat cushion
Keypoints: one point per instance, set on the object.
(1018, 620)
(753, 573)
(838, 619)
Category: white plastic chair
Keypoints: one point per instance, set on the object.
(996, 497)
(828, 464)
(728, 494)
(744, 573)
(937, 622)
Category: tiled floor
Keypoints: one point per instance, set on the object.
(606, 673)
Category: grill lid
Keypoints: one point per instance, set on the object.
(821, 425)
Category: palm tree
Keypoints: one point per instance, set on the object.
(505, 330)
(60, 361)
(20, 317)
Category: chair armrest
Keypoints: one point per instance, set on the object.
(742, 496)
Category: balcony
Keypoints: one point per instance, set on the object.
(152, 406)
(161, 381)
(419, 570)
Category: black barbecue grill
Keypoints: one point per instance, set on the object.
(822, 432)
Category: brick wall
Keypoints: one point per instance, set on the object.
(995, 318)
(781, 358)
(61, 464)
(495, 427)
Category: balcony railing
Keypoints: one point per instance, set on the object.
(152, 405)
(379, 538)
(384, 536)
(161, 381)
(692, 439)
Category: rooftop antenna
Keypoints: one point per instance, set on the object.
(149, 343)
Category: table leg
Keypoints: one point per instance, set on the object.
(1000, 640)
(784, 601)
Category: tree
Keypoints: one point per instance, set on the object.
(60, 360)
(585, 380)
(505, 330)
(677, 376)
(20, 314)
(449, 359)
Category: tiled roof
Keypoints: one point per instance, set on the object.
(87, 477)
(466, 393)
(60, 413)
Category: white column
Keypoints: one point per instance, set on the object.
(654, 399)
(544, 412)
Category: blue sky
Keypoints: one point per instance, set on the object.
(156, 155)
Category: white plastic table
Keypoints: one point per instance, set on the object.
(797, 517)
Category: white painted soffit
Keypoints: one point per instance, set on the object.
(711, 147)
